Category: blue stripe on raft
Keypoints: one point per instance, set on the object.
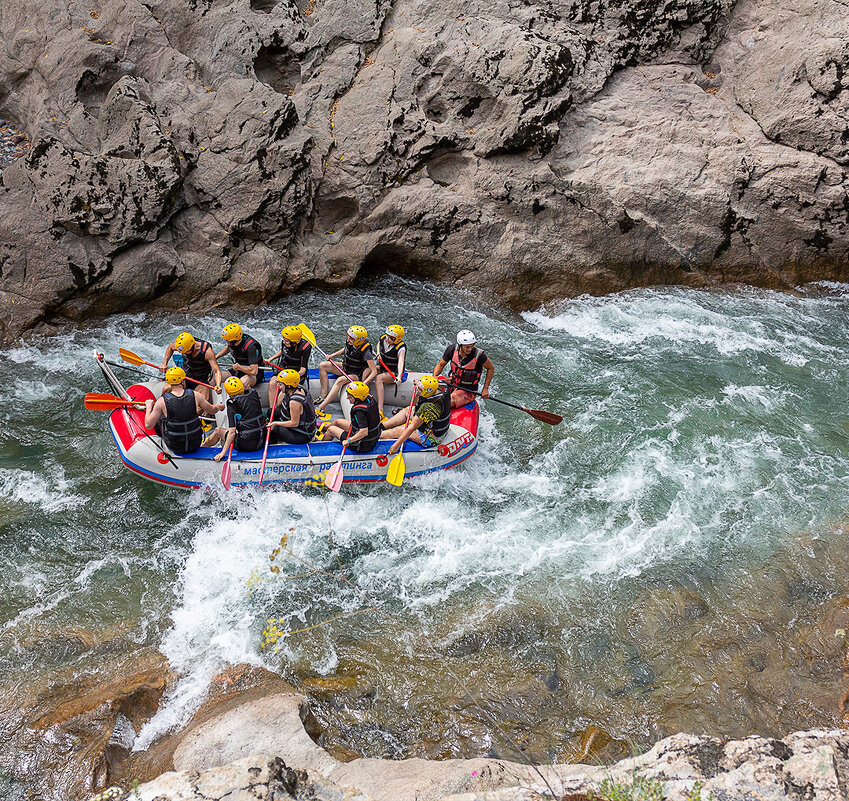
(158, 477)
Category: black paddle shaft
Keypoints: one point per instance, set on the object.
(546, 417)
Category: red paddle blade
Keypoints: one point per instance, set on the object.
(103, 401)
(545, 417)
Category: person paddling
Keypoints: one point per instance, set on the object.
(364, 426)
(391, 358)
(174, 416)
(197, 358)
(467, 363)
(294, 354)
(429, 421)
(357, 363)
(294, 419)
(249, 429)
(247, 355)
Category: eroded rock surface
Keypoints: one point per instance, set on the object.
(260, 750)
(211, 151)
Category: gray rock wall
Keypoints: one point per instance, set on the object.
(188, 153)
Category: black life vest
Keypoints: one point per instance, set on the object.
(240, 351)
(467, 377)
(439, 426)
(197, 366)
(295, 356)
(354, 359)
(372, 419)
(307, 421)
(252, 424)
(181, 415)
(389, 354)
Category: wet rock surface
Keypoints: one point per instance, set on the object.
(189, 155)
(265, 753)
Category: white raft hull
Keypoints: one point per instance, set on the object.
(144, 452)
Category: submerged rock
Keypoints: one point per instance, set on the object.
(193, 154)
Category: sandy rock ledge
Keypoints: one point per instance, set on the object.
(260, 750)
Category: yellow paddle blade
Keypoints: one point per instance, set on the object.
(395, 473)
(310, 336)
(130, 357)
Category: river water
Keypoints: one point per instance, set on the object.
(672, 557)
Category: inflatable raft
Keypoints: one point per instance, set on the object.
(144, 452)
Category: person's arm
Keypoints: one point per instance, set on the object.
(275, 356)
(402, 358)
(223, 352)
(216, 370)
(295, 409)
(440, 365)
(203, 405)
(414, 424)
(169, 352)
(371, 372)
(228, 441)
(247, 369)
(153, 411)
(490, 369)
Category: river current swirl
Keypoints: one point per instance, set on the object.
(671, 557)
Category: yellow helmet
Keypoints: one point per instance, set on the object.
(428, 385)
(184, 343)
(175, 376)
(232, 332)
(396, 331)
(291, 378)
(358, 334)
(292, 333)
(358, 390)
(234, 386)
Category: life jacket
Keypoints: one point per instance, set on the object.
(466, 377)
(372, 418)
(197, 366)
(240, 351)
(438, 427)
(252, 424)
(181, 415)
(389, 354)
(307, 421)
(294, 355)
(354, 359)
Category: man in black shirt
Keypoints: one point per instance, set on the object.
(294, 354)
(247, 355)
(467, 363)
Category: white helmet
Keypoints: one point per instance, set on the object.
(466, 337)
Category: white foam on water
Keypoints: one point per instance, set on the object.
(694, 424)
(51, 493)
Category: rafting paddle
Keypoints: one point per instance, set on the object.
(134, 358)
(397, 468)
(225, 471)
(310, 337)
(268, 433)
(104, 402)
(537, 414)
(333, 479)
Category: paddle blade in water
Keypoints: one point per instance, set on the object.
(546, 417)
(310, 336)
(395, 473)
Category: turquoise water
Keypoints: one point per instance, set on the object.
(655, 563)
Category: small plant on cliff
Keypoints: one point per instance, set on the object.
(640, 789)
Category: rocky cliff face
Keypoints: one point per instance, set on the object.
(192, 153)
(259, 750)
